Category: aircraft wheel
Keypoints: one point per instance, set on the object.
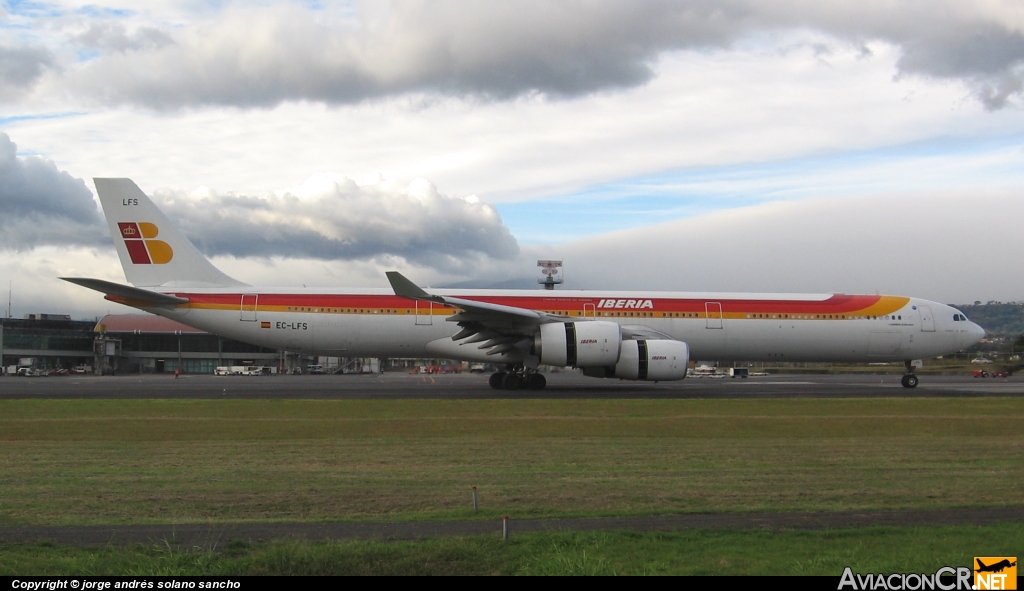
(909, 381)
(496, 380)
(512, 381)
(536, 381)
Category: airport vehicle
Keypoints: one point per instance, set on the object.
(629, 335)
(244, 370)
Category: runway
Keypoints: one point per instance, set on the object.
(474, 386)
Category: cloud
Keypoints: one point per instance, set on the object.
(952, 246)
(42, 205)
(994, 93)
(329, 217)
(20, 68)
(979, 43)
(114, 37)
(262, 56)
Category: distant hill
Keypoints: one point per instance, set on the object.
(996, 317)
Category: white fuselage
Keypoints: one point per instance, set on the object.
(725, 327)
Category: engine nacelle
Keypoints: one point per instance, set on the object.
(653, 361)
(578, 344)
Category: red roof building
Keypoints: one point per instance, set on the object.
(143, 323)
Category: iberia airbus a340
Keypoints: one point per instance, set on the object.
(623, 334)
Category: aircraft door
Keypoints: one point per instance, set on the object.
(424, 313)
(927, 320)
(714, 314)
(249, 307)
(589, 311)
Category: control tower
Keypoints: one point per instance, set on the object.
(550, 273)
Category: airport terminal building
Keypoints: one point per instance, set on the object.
(122, 343)
(144, 343)
(149, 344)
(45, 341)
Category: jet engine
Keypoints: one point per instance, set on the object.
(578, 344)
(654, 361)
(600, 351)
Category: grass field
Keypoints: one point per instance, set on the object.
(163, 461)
(877, 549)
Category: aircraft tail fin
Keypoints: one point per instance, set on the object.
(153, 252)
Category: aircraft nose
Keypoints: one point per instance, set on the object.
(976, 333)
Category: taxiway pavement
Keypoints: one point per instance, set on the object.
(474, 386)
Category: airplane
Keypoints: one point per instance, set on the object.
(632, 335)
(996, 567)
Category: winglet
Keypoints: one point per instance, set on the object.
(407, 289)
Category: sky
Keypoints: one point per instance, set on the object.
(792, 146)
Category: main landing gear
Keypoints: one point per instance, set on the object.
(517, 378)
(909, 379)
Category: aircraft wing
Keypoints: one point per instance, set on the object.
(498, 328)
(130, 296)
(501, 328)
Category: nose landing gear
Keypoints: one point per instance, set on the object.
(909, 379)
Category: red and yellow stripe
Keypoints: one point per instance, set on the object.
(835, 307)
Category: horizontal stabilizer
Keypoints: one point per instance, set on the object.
(133, 296)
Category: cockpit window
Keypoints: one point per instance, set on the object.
(959, 318)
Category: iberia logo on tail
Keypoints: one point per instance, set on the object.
(138, 239)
